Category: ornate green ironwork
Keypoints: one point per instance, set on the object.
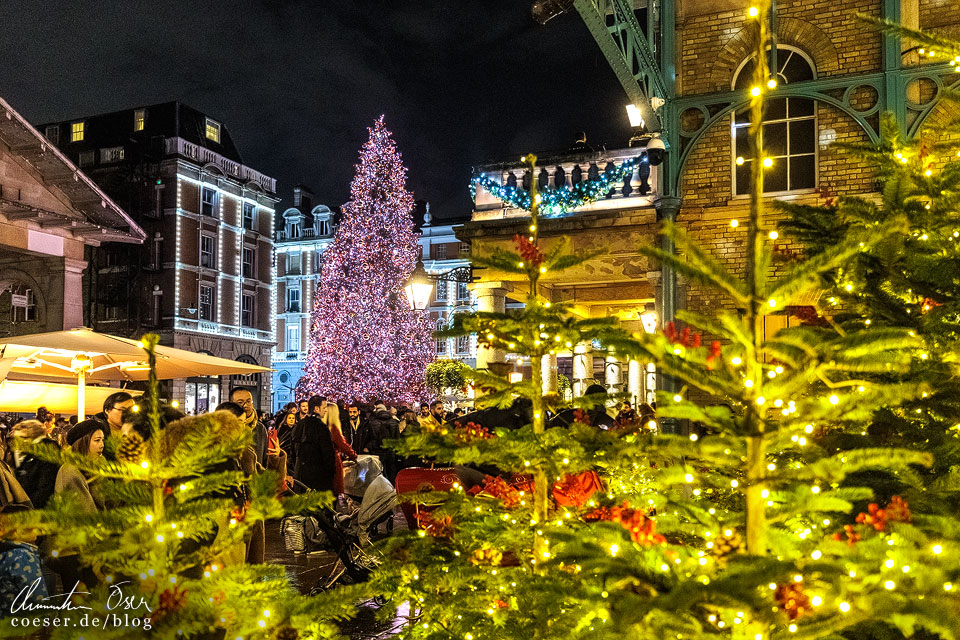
(628, 52)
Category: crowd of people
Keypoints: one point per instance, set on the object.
(306, 443)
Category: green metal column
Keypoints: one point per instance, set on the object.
(667, 209)
(894, 97)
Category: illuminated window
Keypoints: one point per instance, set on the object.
(789, 130)
(464, 248)
(441, 291)
(139, 119)
(463, 344)
(76, 131)
(293, 337)
(462, 292)
(213, 130)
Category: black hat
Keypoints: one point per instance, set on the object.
(594, 389)
(85, 428)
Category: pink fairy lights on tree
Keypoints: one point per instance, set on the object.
(365, 343)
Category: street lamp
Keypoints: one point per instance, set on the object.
(419, 288)
(649, 319)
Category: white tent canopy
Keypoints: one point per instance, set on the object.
(84, 355)
(24, 396)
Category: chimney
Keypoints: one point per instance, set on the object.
(302, 197)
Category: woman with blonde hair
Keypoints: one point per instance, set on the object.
(331, 418)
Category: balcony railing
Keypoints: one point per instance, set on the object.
(202, 156)
(569, 170)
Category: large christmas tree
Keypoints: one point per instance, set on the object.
(750, 529)
(365, 342)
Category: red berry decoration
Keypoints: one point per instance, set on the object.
(791, 598)
(529, 251)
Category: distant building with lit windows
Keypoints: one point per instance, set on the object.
(303, 233)
(203, 279)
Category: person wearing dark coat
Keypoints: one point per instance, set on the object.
(315, 453)
(352, 425)
(379, 427)
(37, 477)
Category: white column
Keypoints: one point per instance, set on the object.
(635, 382)
(491, 299)
(582, 368)
(613, 373)
(548, 369)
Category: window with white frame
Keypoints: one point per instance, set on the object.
(789, 134)
(293, 337)
(208, 256)
(464, 248)
(208, 201)
(246, 310)
(293, 262)
(293, 297)
(206, 302)
(249, 215)
(52, 133)
(439, 251)
(248, 262)
(441, 342)
(463, 293)
(463, 344)
(442, 291)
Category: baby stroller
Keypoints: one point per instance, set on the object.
(360, 518)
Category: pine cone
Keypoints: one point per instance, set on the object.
(132, 448)
(287, 633)
(726, 544)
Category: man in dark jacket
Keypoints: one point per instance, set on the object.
(38, 477)
(251, 420)
(352, 425)
(379, 427)
(597, 416)
(316, 464)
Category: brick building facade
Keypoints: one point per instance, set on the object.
(822, 42)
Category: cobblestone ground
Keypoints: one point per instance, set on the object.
(306, 569)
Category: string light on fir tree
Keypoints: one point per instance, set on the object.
(365, 343)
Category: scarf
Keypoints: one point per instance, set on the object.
(249, 421)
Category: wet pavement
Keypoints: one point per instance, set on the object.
(305, 570)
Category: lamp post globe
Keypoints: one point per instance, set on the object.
(418, 288)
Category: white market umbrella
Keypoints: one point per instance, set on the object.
(86, 355)
(24, 396)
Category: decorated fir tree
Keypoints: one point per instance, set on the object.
(747, 529)
(365, 342)
(164, 555)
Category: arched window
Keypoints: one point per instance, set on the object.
(789, 129)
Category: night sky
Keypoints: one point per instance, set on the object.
(298, 82)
